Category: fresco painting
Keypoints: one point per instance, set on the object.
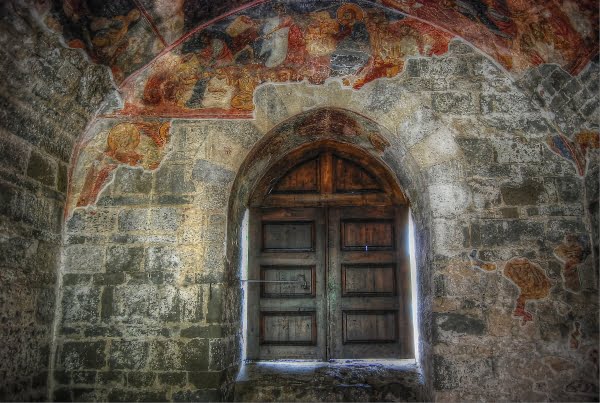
(576, 150)
(477, 263)
(363, 40)
(575, 336)
(572, 253)
(136, 144)
(216, 70)
(531, 280)
(113, 33)
(518, 34)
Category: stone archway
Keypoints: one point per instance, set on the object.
(340, 126)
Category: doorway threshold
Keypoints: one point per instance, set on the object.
(335, 380)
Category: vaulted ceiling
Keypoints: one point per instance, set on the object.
(127, 34)
(204, 57)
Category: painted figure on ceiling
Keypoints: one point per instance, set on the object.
(282, 40)
(172, 82)
(353, 48)
(170, 17)
(320, 43)
(133, 144)
(243, 32)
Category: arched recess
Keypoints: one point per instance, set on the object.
(333, 127)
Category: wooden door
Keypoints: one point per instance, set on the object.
(328, 260)
(286, 312)
(368, 282)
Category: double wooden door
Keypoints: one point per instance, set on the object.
(329, 283)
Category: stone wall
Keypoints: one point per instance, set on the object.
(48, 94)
(151, 302)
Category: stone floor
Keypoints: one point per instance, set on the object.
(335, 381)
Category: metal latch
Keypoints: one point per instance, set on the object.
(300, 279)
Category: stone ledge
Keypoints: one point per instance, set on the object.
(337, 380)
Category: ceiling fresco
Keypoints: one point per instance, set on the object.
(204, 58)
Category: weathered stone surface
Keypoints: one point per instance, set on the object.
(83, 355)
(128, 355)
(528, 193)
(150, 295)
(124, 259)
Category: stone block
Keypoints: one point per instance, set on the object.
(172, 378)
(161, 258)
(42, 168)
(107, 303)
(206, 380)
(45, 305)
(210, 331)
(167, 355)
(206, 171)
(84, 258)
(444, 375)
(172, 179)
(212, 197)
(449, 200)
(76, 355)
(80, 304)
(128, 180)
(215, 304)
(448, 326)
(136, 303)
(165, 218)
(124, 395)
(109, 278)
(570, 190)
(83, 377)
(511, 151)
(137, 379)
(124, 259)
(100, 330)
(62, 395)
(110, 378)
(509, 232)
(13, 152)
(133, 219)
(195, 355)
(169, 304)
(530, 192)
(126, 354)
(92, 221)
(454, 103)
(208, 395)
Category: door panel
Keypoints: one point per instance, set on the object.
(275, 286)
(365, 234)
(286, 311)
(369, 327)
(368, 283)
(288, 328)
(288, 236)
(363, 280)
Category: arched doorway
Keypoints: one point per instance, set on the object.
(328, 272)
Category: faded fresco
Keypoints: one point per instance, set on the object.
(531, 280)
(215, 71)
(572, 253)
(576, 150)
(209, 57)
(136, 144)
(518, 34)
